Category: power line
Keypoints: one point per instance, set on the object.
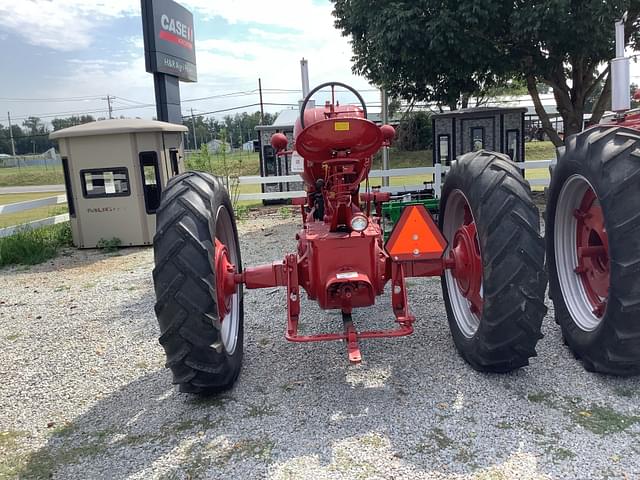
(244, 106)
(59, 99)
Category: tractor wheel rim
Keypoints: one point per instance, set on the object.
(230, 320)
(582, 252)
(464, 280)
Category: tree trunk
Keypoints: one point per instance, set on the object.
(532, 87)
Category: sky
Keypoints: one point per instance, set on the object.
(63, 57)
(52, 51)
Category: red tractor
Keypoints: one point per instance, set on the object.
(487, 250)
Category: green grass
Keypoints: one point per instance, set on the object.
(539, 151)
(30, 247)
(16, 177)
(19, 218)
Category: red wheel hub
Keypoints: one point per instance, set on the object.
(593, 252)
(225, 279)
(466, 263)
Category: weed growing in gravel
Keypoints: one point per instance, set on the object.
(241, 212)
(285, 213)
(440, 438)
(598, 419)
(261, 410)
(13, 337)
(32, 246)
(258, 448)
(110, 245)
(626, 392)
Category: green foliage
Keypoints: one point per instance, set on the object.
(34, 134)
(414, 132)
(32, 246)
(109, 245)
(60, 123)
(446, 51)
(234, 130)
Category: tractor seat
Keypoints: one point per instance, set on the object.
(352, 137)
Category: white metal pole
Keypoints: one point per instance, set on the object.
(304, 71)
(620, 73)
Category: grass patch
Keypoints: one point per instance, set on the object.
(601, 420)
(33, 246)
(16, 177)
(539, 151)
(18, 218)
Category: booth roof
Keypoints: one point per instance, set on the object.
(113, 127)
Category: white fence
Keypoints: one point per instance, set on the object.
(436, 171)
(30, 205)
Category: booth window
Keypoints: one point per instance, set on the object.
(444, 149)
(477, 138)
(67, 187)
(513, 145)
(150, 180)
(173, 157)
(105, 182)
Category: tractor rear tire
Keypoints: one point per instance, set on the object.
(500, 332)
(204, 356)
(605, 162)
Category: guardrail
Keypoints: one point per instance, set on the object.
(437, 171)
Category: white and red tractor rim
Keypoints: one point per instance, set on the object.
(227, 290)
(463, 274)
(582, 252)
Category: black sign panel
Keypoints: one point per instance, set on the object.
(169, 39)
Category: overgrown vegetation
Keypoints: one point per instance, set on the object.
(32, 246)
(109, 245)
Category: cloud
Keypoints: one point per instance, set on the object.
(63, 25)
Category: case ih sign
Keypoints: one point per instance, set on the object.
(168, 39)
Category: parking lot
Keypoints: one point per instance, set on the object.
(86, 395)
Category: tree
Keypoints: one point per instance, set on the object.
(60, 123)
(446, 51)
(426, 50)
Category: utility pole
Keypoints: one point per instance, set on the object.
(261, 105)
(13, 145)
(108, 99)
(193, 124)
(385, 121)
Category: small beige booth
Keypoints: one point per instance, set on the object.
(114, 172)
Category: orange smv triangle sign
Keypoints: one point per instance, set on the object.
(415, 237)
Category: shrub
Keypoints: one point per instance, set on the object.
(32, 246)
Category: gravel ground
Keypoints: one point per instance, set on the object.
(85, 393)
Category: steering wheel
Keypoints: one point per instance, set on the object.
(333, 85)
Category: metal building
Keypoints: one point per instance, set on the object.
(470, 129)
(114, 173)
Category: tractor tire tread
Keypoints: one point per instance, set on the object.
(611, 163)
(507, 221)
(184, 281)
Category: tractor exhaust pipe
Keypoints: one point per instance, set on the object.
(620, 74)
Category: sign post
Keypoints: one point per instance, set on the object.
(170, 54)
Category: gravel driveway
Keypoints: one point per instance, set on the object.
(85, 393)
